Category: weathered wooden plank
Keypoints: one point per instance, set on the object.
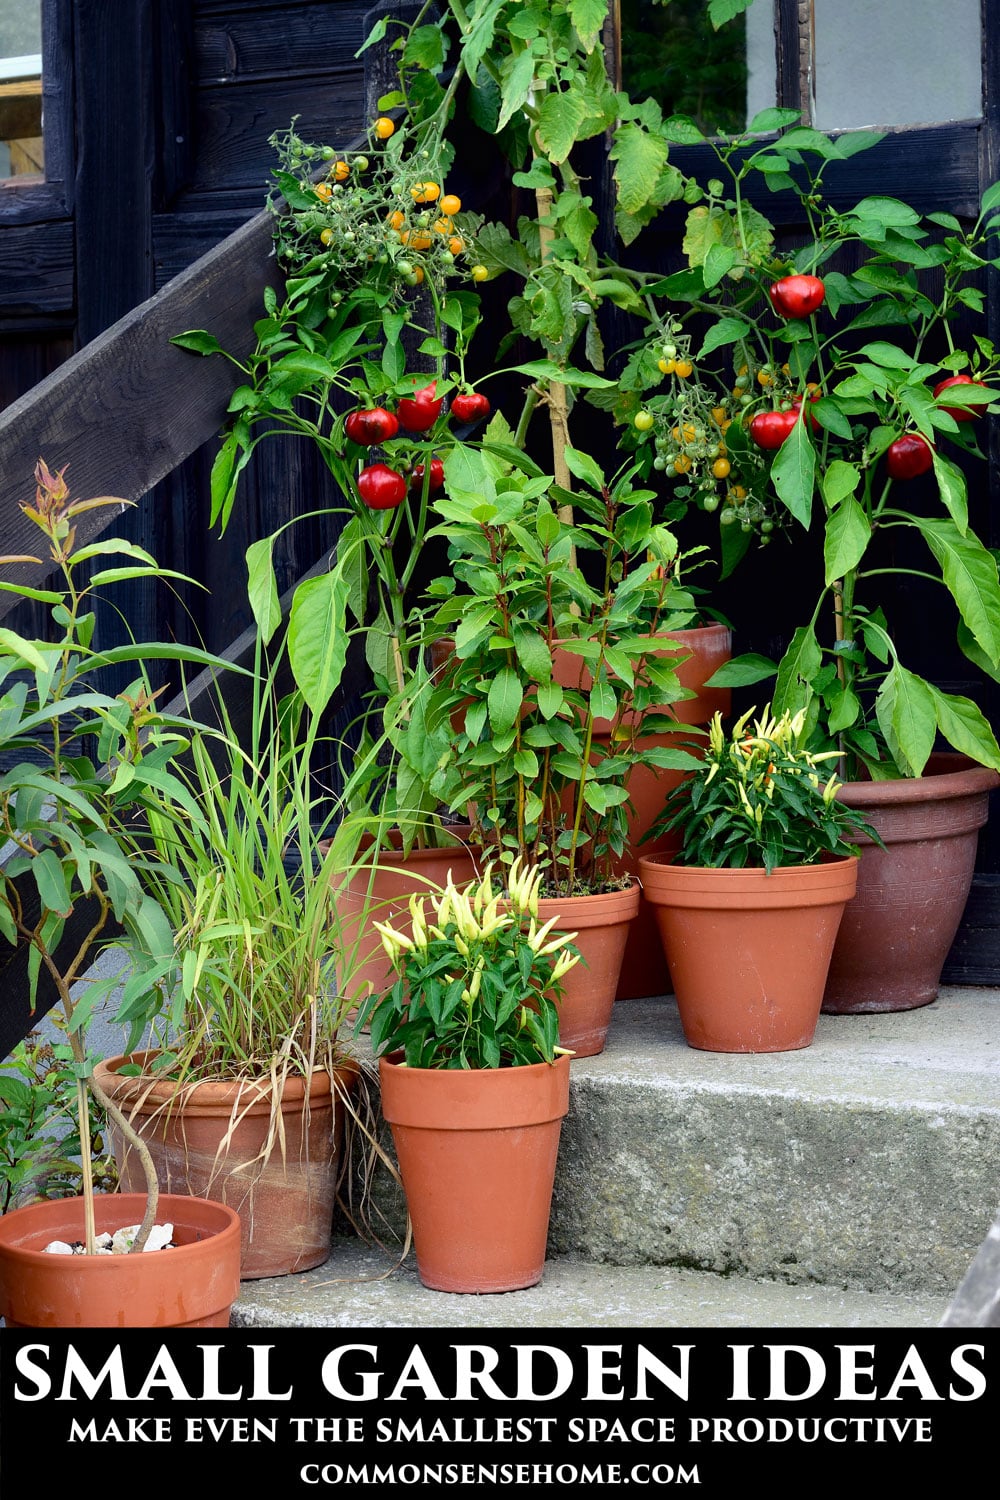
(36, 268)
(234, 124)
(179, 239)
(130, 406)
(232, 44)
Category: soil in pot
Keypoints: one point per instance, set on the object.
(285, 1199)
(748, 952)
(192, 1285)
(477, 1156)
(896, 934)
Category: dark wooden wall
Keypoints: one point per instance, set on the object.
(158, 114)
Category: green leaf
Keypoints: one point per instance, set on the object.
(951, 487)
(970, 573)
(198, 340)
(885, 211)
(829, 415)
(532, 651)
(504, 699)
(318, 636)
(53, 892)
(588, 16)
(559, 119)
(425, 48)
(516, 79)
(585, 468)
(719, 260)
(793, 473)
(263, 588)
(725, 331)
(603, 701)
(767, 120)
(991, 198)
(907, 715)
(889, 356)
(796, 671)
(839, 480)
(965, 728)
(743, 670)
(848, 532)
(547, 369)
(639, 159)
(550, 699)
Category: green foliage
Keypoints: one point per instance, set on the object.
(39, 1139)
(758, 799)
(479, 979)
(549, 677)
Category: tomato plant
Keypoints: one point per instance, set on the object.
(769, 429)
(796, 296)
(381, 488)
(371, 425)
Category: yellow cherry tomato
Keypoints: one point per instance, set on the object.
(721, 468)
(397, 219)
(479, 273)
(665, 366)
(323, 191)
(456, 244)
(451, 204)
(443, 226)
(718, 415)
(326, 236)
(765, 378)
(420, 241)
(425, 192)
(384, 127)
(643, 420)
(683, 368)
(340, 171)
(682, 463)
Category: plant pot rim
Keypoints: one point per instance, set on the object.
(948, 775)
(34, 1220)
(666, 883)
(504, 1098)
(159, 1089)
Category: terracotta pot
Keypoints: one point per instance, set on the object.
(895, 938)
(285, 1205)
(381, 893)
(192, 1285)
(602, 924)
(644, 970)
(748, 952)
(477, 1155)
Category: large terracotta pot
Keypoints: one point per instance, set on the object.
(381, 892)
(700, 653)
(285, 1200)
(192, 1285)
(748, 952)
(477, 1156)
(911, 895)
(602, 924)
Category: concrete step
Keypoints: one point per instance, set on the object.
(849, 1184)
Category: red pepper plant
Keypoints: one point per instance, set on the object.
(832, 392)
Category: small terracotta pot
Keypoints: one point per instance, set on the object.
(602, 923)
(381, 893)
(192, 1285)
(285, 1204)
(748, 952)
(895, 937)
(477, 1155)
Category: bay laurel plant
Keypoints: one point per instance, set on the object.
(759, 798)
(79, 774)
(478, 978)
(835, 385)
(554, 686)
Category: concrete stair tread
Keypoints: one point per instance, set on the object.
(573, 1293)
(849, 1184)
